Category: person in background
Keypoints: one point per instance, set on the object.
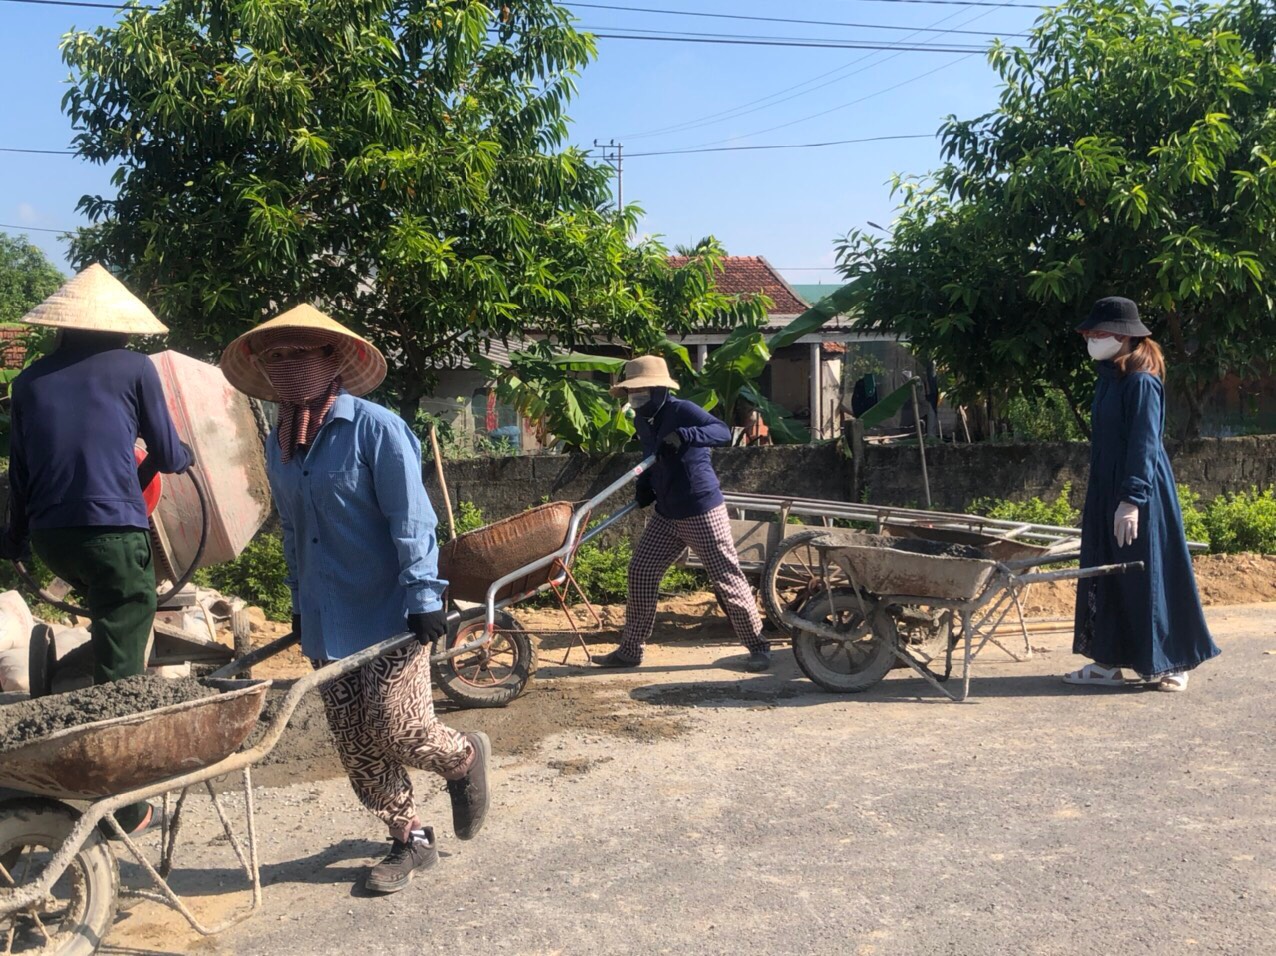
(1149, 622)
(75, 488)
(689, 513)
(359, 541)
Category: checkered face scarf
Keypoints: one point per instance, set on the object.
(307, 383)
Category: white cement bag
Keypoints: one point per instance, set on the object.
(16, 623)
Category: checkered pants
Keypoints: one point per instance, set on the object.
(709, 536)
(382, 717)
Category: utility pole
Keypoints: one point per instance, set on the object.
(614, 156)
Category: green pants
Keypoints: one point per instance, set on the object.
(112, 570)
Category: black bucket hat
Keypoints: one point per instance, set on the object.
(1116, 315)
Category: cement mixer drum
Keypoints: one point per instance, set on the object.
(219, 424)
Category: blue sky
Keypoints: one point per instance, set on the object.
(788, 205)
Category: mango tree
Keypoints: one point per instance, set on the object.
(1131, 153)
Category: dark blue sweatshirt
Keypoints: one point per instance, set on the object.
(682, 480)
(75, 416)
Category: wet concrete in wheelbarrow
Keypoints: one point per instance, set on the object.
(30, 720)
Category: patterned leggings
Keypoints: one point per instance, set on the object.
(382, 717)
(709, 536)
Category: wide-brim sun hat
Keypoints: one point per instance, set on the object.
(1117, 315)
(649, 371)
(362, 369)
(96, 301)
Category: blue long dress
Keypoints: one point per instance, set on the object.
(1148, 621)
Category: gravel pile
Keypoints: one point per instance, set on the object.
(29, 720)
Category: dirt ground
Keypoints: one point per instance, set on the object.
(687, 807)
(556, 699)
(1222, 579)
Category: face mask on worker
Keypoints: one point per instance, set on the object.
(301, 375)
(647, 401)
(1101, 350)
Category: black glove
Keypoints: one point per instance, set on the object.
(644, 496)
(428, 627)
(673, 440)
(13, 549)
(296, 626)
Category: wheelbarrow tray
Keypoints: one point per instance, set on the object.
(113, 756)
(878, 565)
(470, 562)
(995, 546)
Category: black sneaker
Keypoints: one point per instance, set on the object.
(470, 795)
(614, 659)
(404, 859)
(759, 660)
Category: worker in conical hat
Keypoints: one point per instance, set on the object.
(75, 489)
(359, 540)
(689, 513)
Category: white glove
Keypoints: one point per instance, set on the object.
(1126, 525)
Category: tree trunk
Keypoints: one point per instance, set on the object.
(410, 401)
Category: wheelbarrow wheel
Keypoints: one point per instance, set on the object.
(792, 575)
(77, 914)
(493, 674)
(851, 665)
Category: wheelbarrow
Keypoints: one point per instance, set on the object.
(851, 633)
(487, 657)
(59, 879)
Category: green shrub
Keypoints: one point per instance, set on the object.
(1034, 511)
(1045, 418)
(257, 576)
(1194, 525)
(469, 517)
(1242, 522)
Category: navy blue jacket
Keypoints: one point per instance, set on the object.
(682, 480)
(75, 416)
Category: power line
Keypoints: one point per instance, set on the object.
(734, 149)
(841, 106)
(13, 228)
(40, 152)
(820, 23)
(774, 99)
(792, 42)
(80, 3)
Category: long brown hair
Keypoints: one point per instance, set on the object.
(1146, 356)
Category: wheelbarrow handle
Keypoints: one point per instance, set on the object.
(1077, 574)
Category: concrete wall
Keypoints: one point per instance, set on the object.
(959, 474)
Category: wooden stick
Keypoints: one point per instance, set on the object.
(438, 470)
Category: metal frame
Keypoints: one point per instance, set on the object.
(1006, 578)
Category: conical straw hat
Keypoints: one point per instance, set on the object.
(362, 371)
(96, 301)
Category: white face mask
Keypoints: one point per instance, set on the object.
(639, 398)
(1103, 349)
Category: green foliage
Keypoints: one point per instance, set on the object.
(1245, 521)
(1194, 526)
(1046, 416)
(547, 387)
(1130, 153)
(603, 574)
(403, 162)
(258, 576)
(27, 277)
(1058, 512)
(468, 516)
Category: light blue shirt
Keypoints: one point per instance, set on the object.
(358, 530)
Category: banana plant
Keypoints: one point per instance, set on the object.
(547, 388)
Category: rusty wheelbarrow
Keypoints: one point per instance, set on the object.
(59, 878)
(850, 634)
